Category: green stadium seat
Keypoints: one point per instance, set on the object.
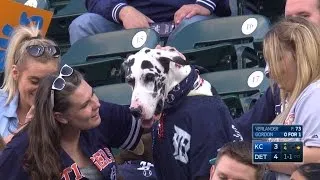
(100, 56)
(102, 71)
(65, 11)
(213, 58)
(73, 7)
(237, 81)
(115, 93)
(237, 30)
(41, 4)
(233, 86)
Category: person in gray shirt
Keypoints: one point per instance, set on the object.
(292, 50)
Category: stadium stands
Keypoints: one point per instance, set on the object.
(65, 11)
(232, 85)
(100, 56)
(239, 31)
(214, 45)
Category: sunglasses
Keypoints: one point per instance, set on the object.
(39, 50)
(59, 83)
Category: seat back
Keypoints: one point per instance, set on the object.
(65, 11)
(115, 93)
(102, 72)
(240, 31)
(238, 81)
(213, 58)
(112, 44)
(235, 30)
(239, 88)
(41, 4)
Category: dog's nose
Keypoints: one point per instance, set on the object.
(136, 112)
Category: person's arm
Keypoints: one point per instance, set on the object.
(119, 126)
(109, 9)
(310, 155)
(262, 112)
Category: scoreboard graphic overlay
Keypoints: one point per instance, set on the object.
(270, 143)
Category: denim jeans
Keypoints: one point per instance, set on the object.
(90, 24)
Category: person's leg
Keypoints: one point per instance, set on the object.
(186, 22)
(90, 24)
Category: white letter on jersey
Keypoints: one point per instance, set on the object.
(236, 134)
(181, 144)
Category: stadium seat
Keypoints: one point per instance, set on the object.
(239, 88)
(238, 81)
(115, 93)
(97, 55)
(42, 4)
(213, 58)
(240, 31)
(102, 71)
(65, 11)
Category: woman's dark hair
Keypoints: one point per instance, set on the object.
(42, 158)
(310, 171)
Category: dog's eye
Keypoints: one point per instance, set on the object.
(131, 81)
(149, 77)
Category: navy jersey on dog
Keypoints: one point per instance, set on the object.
(193, 132)
(193, 120)
(117, 129)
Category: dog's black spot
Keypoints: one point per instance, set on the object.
(171, 49)
(159, 107)
(165, 62)
(158, 70)
(162, 78)
(146, 64)
(130, 62)
(149, 77)
(147, 50)
(158, 53)
(179, 60)
(154, 95)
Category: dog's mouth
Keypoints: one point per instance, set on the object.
(147, 123)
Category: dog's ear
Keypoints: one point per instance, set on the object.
(180, 60)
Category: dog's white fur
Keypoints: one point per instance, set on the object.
(143, 95)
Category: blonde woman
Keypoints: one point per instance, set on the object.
(292, 50)
(29, 58)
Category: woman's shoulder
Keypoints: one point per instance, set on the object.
(3, 95)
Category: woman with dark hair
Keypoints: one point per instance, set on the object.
(70, 135)
(307, 172)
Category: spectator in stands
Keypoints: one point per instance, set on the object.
(307, 172)
(234, 161)
(112, 15)
(292, 50)
(309, 9)
(269, 105)
(71, 133)
(29, 58)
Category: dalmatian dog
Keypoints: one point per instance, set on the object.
(152, 74)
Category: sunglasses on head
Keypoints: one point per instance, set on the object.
(39, 50)
(59, 83)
